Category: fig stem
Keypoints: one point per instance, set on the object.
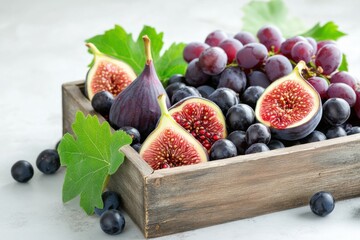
(301, 66)
(162, 105)
(147, 45)
(93, 49)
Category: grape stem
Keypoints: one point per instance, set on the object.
(317, 72)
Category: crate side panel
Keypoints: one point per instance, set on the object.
(73, 100)
(128, 181)
(212, 195)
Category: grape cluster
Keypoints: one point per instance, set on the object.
(234, 71)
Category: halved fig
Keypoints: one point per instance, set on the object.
(170, 145)
(290, 106)
(202, 118)
(107, 74)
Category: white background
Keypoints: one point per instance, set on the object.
(42, 46)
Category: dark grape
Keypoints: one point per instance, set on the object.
(136, 146)
(328, 58)
(288, 44)
(302, 51)
(322, 203)
(225, 98)
(213, 60)
(240, 117)
(194, 76)
(221, 149)
(231, 46)
(251, 55)
(344, 77)
(257, 78)
(245, 37)
(214, 81)
(239, 140)
(353, 130)
(291, 143)
(112, 222)
(193, 50)
(257, 147)
(251, 95)
(133, 132)
(22, 171)
(172, 88)
(205, 90)
(102, 102)
(48, 161)
(258, 133)
(346, 126)
(277, 66)
(336, 111)
(335, 132)
(275, 144)
(233, 78)
(342, 90)
(176, 78)
(271, 37)
(111, 200)
(315, 136)
(320, 85)
(215, 38)
(183, 93)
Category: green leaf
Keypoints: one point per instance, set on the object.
(119, 44)
(90, 157)
(344, 64)
(171, 64)
(328, 31)
(274, 12)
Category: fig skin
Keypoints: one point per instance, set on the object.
(137, 106)
(302, 127)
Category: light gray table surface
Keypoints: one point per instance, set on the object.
(42, 47)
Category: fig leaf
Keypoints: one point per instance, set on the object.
(90, 156)
(344, 64)
(328, 31)
(256, 14)
(119, 44)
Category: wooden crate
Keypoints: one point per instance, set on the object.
(167, 201)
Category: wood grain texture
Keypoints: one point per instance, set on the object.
(167, 201)
(129, 182)
(73, 100)
(129, 179)
(191, 197)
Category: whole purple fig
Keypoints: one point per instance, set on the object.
(137, 105)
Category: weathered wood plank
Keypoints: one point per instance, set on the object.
(129, 182)
(74, 100)
(191, 197)
(129, 179)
